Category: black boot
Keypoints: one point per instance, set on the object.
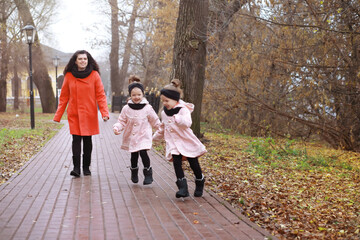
(183, 188)
(76, 171)
(148, 176)
(86, 164)
(199, 187)
(134, 174)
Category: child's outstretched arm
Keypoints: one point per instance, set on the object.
(159, 134)
(154, 119)
(121, 122)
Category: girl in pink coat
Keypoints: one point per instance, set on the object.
(180, 139)
(137, 119)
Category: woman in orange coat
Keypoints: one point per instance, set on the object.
(82, 92)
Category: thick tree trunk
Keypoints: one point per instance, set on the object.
(41, 77)
(114, 53)
(189, 59)
(16, 86)
(151, 70)
(4, 58)
(127, 51)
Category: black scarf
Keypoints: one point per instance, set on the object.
(82, 74)
(172, 111)
(137, 106)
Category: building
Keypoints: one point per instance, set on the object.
(24, 93)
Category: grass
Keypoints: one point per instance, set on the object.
(294, 189)
(23, 108)
(18, 142)
(292, 154)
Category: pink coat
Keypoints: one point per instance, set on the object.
(137, 126)
(178, 135)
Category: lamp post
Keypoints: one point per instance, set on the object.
(56, 60)
(29, 32)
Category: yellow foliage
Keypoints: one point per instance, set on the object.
(163, 37)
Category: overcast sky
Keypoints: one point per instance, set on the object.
(70, 29)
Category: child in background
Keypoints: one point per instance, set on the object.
(180, 139)
(137, 119)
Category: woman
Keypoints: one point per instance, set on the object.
(81, 92)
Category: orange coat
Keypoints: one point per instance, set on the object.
(82, 97)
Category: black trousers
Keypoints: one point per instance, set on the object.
(76, 145)
(194, 164)
(144, 157)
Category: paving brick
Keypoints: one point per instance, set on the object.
(44, 202)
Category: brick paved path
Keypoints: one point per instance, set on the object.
(44, 202)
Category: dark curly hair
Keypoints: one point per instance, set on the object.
(72, 60)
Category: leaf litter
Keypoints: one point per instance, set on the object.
(291, 197)
(18, 142)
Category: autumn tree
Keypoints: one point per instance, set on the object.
(291, 71)
(41, 77)
(128, 43)
(16, 83)
(130, 39)
(14, 56)
(114, 52)
(160, 42)
(5, 12)
(220, 14)
(189, 57)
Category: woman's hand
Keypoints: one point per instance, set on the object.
(116, 132)
(105, 118)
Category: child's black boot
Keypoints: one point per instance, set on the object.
(148, 176)
(76, 171)
(86, 164)
(183, 188)
(134, 174)
(199, 186)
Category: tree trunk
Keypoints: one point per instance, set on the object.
(151, 69)
(127, 51)
(16, 86)
(4, 58)
(41, 77)
(189, 58)
(114, 53)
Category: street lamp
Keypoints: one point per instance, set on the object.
(56, 60)
(29, 32)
